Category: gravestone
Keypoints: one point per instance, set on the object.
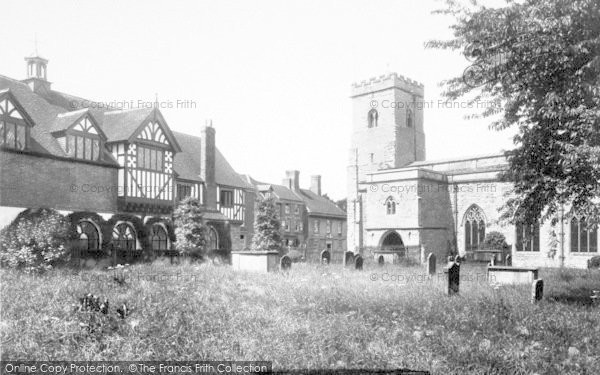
(358, 263)
(537, 290)
(453, 271)
(285, 263)
(348, 258)
(431, 263)
(325, 257)
(493, 260)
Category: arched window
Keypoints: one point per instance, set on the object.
(474, 228)
(373, 117)
(88, 236)
(409, 118)
(584, 239)
(123, 237)
(528, 237)
(213, 239)
(390, 206)
(158, 239)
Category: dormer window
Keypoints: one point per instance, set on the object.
(83, 141)
(13, 127)
(372, 118)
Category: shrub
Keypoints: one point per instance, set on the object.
(36, 240)
(190, 231)
(594, 262)
(495, 240)
(267, 235)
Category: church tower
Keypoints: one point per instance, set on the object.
(387, 133)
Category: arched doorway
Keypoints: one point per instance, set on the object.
(392, 242)
(123, 237)
(213, 238)
(88, 238)
(158, 239)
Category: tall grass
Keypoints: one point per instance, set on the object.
(315, 317)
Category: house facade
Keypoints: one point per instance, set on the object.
(398, 200)
(109, 165)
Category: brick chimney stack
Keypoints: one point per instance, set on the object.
(207, 165)
(315, 184)
(292, 180)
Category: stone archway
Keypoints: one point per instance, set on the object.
(391, 241)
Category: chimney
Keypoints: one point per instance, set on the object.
(207, 165)
(315, 184)
(293, 180)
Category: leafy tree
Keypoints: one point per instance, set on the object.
(37, 240)
(539, 59)
(495, 240)
(342, 204)
(190, 230)
(267, 235)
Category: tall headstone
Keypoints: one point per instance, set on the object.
(453, 271)
(431, 263)
(325, 257)
(349, 259)
(285, 263)
(358, 262)
(493, 260)
(537, 290)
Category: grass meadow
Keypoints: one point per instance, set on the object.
(315, 317)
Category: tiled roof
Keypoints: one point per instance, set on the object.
(120, 125)
(66, 119)
(319, 205)
(187, 163)
(53, 111)
(43, 114)
(280, 191)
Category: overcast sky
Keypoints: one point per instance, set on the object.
(274, 76)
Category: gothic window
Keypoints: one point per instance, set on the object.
(409, 118)
(159, 238)
(328, 226)
(83, 141)
(390, 206)
(13, 128)
(123, 237)
(373, 117)
(584, 239)
(528, 237)
(88, 236)
(474, 228)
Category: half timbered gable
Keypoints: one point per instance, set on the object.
(231, 202)
(15, 124)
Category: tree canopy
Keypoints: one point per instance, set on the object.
(541, 60)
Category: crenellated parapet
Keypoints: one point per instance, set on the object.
(387, 81)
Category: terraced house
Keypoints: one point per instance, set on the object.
(124, 169)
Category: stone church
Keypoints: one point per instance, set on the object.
(400, 203)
